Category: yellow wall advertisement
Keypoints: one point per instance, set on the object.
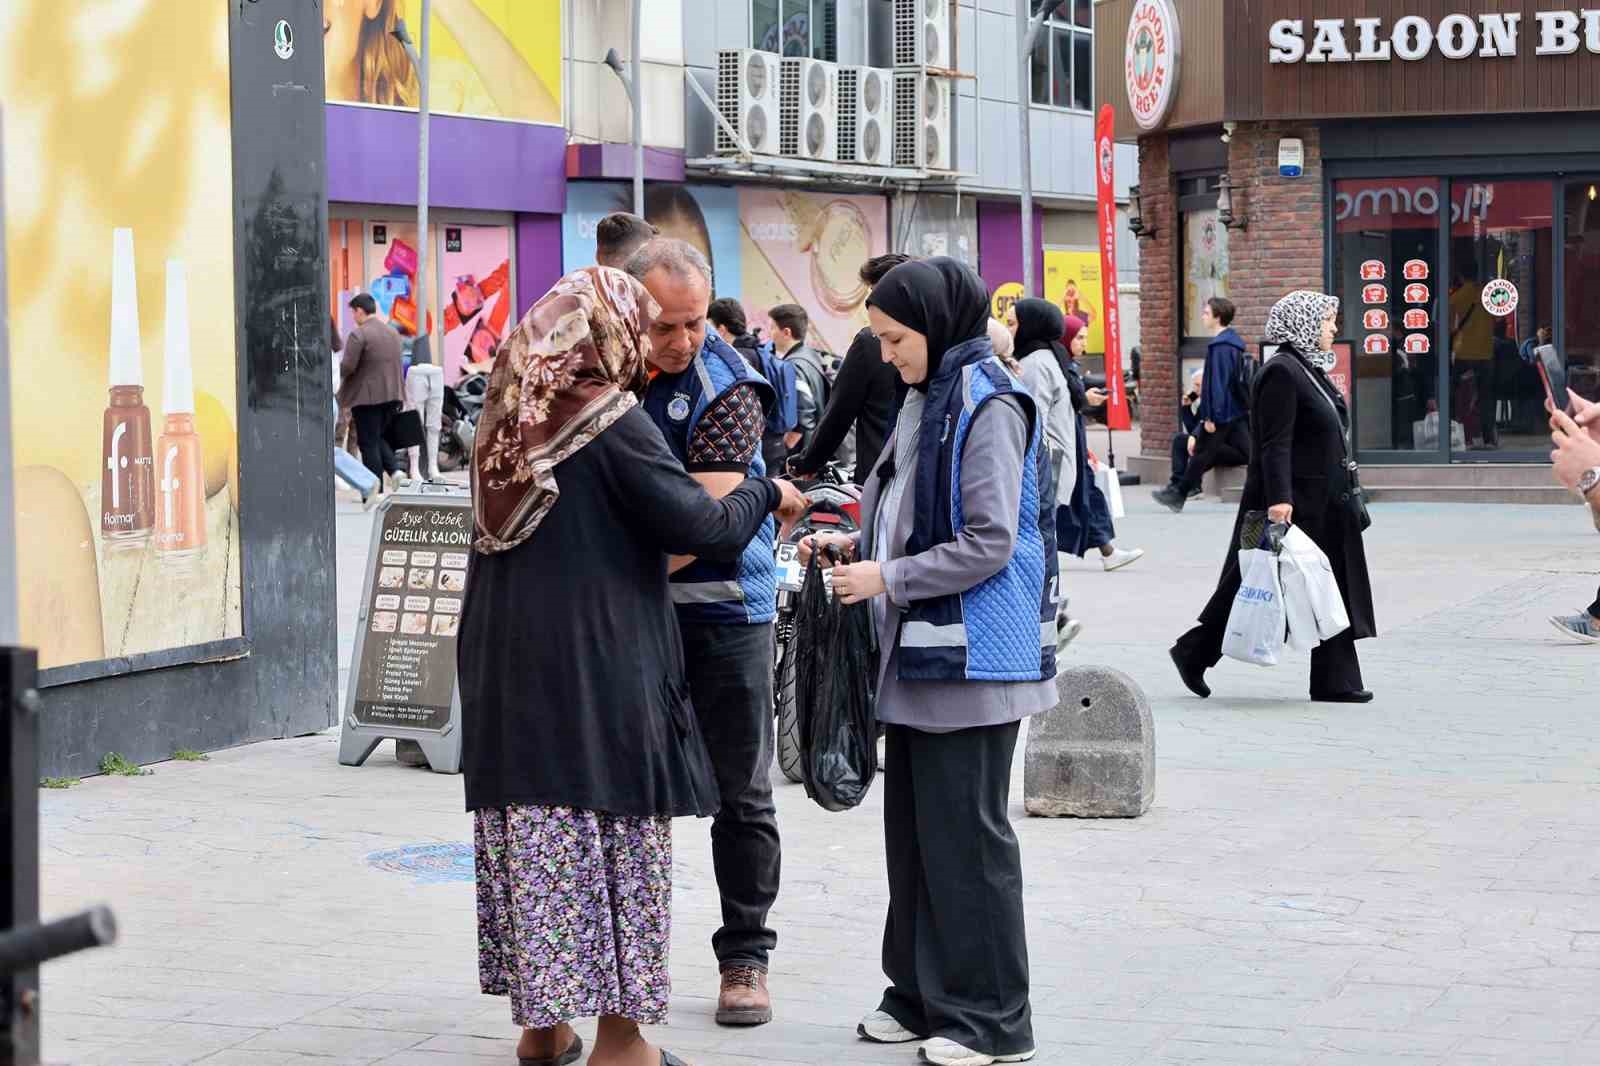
(486, 58)
(119, 235)
(1072, 283)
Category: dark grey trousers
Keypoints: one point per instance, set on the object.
(954, 947)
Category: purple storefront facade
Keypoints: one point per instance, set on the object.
(496, 193)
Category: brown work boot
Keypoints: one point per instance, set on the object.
(744, 999)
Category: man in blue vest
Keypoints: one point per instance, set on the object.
(711, 406)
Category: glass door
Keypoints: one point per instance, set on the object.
(1579, 337)
(1501, 295)
(1385, 269)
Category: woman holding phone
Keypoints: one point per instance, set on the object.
(957, 548)
(1298, 473)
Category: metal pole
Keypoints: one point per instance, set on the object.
(422, 179)
(1028, 27)
(10, 629)
(638, 111)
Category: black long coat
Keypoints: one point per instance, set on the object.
(1297, 423)
(570, 662)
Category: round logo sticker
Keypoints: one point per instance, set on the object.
(1151, 61)
(1500, 298)
(678, 409)
(283, 39)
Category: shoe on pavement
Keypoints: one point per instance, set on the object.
(1359, 695)
(1121, 557)
(573, 1053)
(880, 1027)
(1580, 627)
(744, 999)
(1196, 492)
(1193, 680)
(1067, 630)
(949, 1053)
(1171, 498)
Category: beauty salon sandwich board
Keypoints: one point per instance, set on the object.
(403, 669)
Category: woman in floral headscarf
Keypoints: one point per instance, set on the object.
(578, 742)
(1299, 472)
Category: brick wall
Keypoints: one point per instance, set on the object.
(1158, 296)
(1280, 250)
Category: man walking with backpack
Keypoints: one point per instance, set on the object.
(1224, 437)
(789, 325)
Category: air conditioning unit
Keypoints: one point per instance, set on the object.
(808, 109)
(747, 96)
(923, 106)
(922, 34)
(866, 109)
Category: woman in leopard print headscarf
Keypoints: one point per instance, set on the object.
(1300, 472)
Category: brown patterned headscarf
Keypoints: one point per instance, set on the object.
(572, 367)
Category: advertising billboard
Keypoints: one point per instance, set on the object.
(1072, 283)
(119, 229)
(486, 58)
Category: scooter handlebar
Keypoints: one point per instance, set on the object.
(30, 946)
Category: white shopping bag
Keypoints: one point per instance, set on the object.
(1314, 607)
(1110, 485)
(1425, 433)
(1256, 622)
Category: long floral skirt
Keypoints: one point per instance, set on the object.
(574, 913)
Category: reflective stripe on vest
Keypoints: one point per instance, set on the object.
(708, 592)
(914, 634)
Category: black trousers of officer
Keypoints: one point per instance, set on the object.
(954, 947)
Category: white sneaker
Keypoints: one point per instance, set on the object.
(1121, 557)
(881, 1028)
(1067, 630)
(949, 1053)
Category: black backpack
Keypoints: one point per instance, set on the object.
(1244, 380)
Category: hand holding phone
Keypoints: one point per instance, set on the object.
(1554, 376)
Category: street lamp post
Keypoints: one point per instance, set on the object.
(1029, 25)
(419, 63)
(630, 85)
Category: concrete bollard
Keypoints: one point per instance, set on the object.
(1094, 756)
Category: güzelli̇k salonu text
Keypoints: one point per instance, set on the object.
(1560, 33)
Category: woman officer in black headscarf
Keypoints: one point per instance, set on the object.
(958, 557)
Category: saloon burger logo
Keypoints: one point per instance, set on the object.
(1151, 61)
(1500, 298)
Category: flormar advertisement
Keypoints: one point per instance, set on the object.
(486, 58)
(124, 426)
(1072, 283)
(807, 248)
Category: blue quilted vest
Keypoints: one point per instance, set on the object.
(1003, 629)
(744, 592)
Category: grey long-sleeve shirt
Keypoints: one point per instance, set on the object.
(991, 496)
(1048, 385)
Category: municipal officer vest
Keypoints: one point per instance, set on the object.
(743, 592)
(1003, 629)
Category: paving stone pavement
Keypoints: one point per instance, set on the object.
(1413, 882)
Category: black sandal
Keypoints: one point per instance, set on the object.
(573, 1053)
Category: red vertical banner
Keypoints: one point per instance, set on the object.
(1117, 413)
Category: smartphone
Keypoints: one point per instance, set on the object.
(1554, 376)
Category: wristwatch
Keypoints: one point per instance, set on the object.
(1589, 481)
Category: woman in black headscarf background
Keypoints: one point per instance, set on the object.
(957, 547)
(1299, 457)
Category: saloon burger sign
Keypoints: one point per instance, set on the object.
(1414, 37)
(1151, 61)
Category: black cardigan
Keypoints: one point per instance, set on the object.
(570, 663)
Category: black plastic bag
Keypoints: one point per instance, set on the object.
(836, 671)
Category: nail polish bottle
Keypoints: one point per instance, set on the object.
(180, 470)
(127, 473)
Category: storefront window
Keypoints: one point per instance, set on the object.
(1501, 295)
(1581, 312)
(1205, 264)
(1386, 273)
